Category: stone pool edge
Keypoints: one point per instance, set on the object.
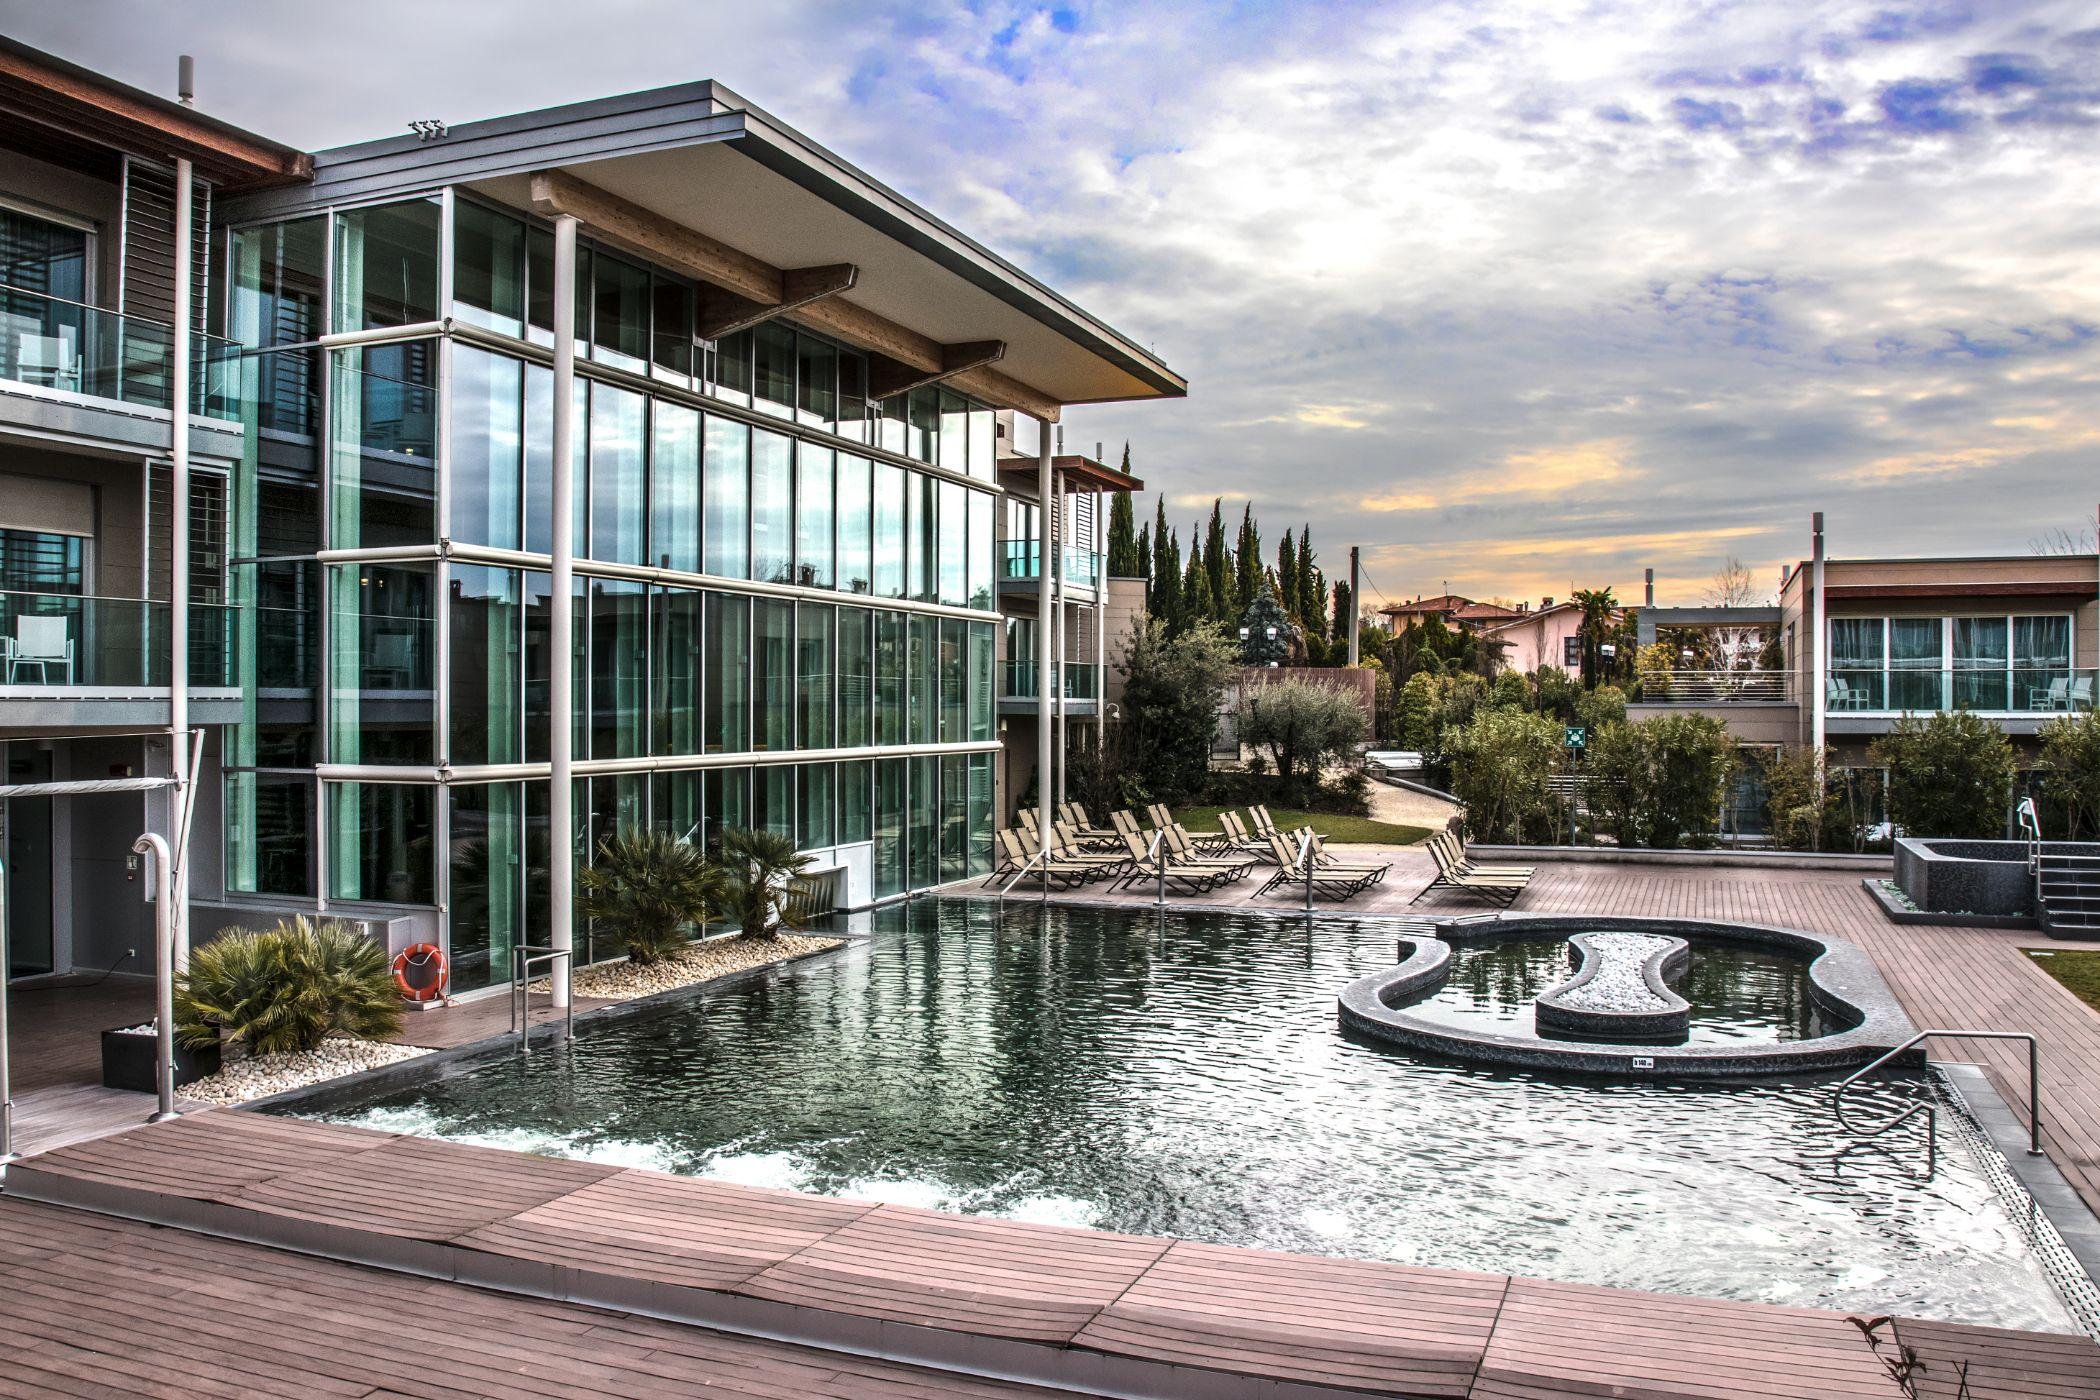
(1841, 976)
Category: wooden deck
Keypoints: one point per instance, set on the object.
(1945, 976)
(124, 1308)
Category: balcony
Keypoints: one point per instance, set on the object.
(2030, 693)
(1718, 688)
(1019, 562)
(1017, 682)
(66, 348)
(61, 652)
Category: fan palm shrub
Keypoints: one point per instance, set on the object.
(648, 891)
(759, 870)
(287, 988)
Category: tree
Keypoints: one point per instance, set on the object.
(1197, 602)
(1287, 575)
(1950, 774)
(1163, 598)
(2071, 752)
(758, 873)
(1734, 648)
(647, 891)
(1302, 725)
(1312, 588)
(1805, 800)
(1123, 558)
(1511, 690)
(1500, 764)
(1417, 727)
(1267, 634)
(1344, 609)
(1248, 577)
(1598, 605)
(1661, 782)
(1217, 567)
(1173, 689)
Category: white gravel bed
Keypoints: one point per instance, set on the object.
(624, 981)
(258, 1076)
(1618, 984)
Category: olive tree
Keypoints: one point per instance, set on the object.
(1950, 774)
(1173, 689)
(1500, 764)
(1303, 727)
(2071, 751)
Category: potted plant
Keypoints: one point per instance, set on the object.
(130, 1055)
(286, 989)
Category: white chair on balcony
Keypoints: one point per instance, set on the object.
(2079, 695)
(42, 642)
(1838, 695)
(2054, 696)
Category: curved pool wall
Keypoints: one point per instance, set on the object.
(1662, 1016)
(1968, 877)
(1841, 978)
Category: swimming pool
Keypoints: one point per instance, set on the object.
(1184, 1074)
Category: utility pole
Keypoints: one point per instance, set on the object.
(1356, 599)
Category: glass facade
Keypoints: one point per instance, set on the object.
(776, 578)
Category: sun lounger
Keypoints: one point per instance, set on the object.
(1498, 889)
(1240, 841)
(1161, 817)
(1019, 853)
(1328, 861)
(1456, 849)
(1182, 848)
(1146, 865)
(1326, 882)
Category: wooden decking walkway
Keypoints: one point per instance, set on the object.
(934, 1294)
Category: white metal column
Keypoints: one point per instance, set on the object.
(1057, 492)
(1816, 624)
(561, 875)
(1100, 628)
(1045, 480)
(179, 568)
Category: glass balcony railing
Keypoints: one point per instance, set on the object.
(1717, 688)
(1019, 559)
(61, 640)
(52, 343)
(1082, 680)
(2036, 690)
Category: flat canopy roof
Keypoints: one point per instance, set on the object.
(1076, 473)
(698, 177)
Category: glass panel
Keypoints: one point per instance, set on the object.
(773, 798)
(980, 551)
(889, 827)
(380, 701)
(773, 368)
(954, 817)
(386, 265)
(819, 401)
(983, 699)
(619, 668)
(954, 681)
(488, 883)
(923, 841)
(674, 683)
(891, 659)
(1981, 654)
(674, 804)
(853, 395)
(926, 540)
(954, 544)
(269, 833)
(854, 505)
(278, 276)
(620, 325)
(488, 665)
(733, 367)
(728, 801)
(727, 486)
(923, 659)
(813, 806)
(2041, 663)
(43, 256)
(618, 496)
(381, 843)
(539, 917)
(773, 662)
(488, 268)
(539, 459)
(856, 676)
(955, 432)
(539, 620)
(980, 815)
(891, 433)
(772, 522)
(383, 446)
(1856, 680)
(674, 486)
(671, 331)
(487, 447)
(1915, 680)
(814, 683)
(889, 513)
(923, 422)
(984, 444)
(856, 802)
(813, 545)
(727, 675)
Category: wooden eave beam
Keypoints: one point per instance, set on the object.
(888, 377)
(725, 313)
(920, 358)
(148, 129)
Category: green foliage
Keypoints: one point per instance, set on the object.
(1417, 728)
(1950, 774)
(287, 988)
(2071, 752)
(1262, 618)
(1805, 803)
(1125, 560)
(1173, 687)
(1511, 690)
(648, 891)
(1652, 665)
(757, 871)
(1559, 694)
(1596, 708)
(1500, 762)
(1659, 783)
(1302, 725)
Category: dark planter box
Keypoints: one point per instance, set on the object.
(127, 1062)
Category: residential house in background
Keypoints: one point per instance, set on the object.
(1548, 635)
(1451, 610)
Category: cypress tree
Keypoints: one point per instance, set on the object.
(1248, 573)
(1343, 604)
(1198, 604)
(1217, 569)
(1165, 593)
(1312, 589)
(1287, 576)
(1122, 539)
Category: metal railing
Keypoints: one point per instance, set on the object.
(2031, 829)
(78, 640)
(1018, 559)
(51, 342)
(523, 958)
(1717, 688)
(1925, 1106)
(1998, 689)
(1017, 679)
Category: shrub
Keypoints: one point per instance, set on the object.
(1950, 774)
(758, 870)
(1806, 809)
(287, 988)
(1499, 766)
(1173, 688)
(1559, 693)
(1597, 708)
(648, 891)
(2071, 752)
(1660, 782)
(1511, 691)
(1302, 725)
(1417, 713)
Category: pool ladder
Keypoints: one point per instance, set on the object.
(1925, 1106)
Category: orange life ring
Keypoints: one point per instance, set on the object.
(421, 958)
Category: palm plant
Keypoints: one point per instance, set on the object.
(647, 891)
(759, 872)
(287, 988)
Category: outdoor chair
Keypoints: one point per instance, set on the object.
(1455, 845)
(1497, 889)
(1076, 843)
(1326, 883)
(1184, 849)
(1062, 850)
(1241, 841)
(2054, 696)
(2080, 696)
(1066, 867)
(1326, 861)
(42, 641)
(1161, 818)
(1164, 869)
(1074, 813)
(1019, 854)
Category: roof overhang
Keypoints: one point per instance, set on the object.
(41, 88)
(2024, 588)
(1075, 473)
(698, 177)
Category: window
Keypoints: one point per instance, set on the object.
(856, 794)
(813, 806)
(726, 487)
(620, 320)
(383, 449)
(488, 887)
(37, 561)
(727, 800)
(726, 727)
(488, 268)
(856, 677)
(923, 422)
(773, 799)
(984, 448)
(618, 675)
(854, 506)
(1571, 653)
(818, 403)
(671, 333)
(539, 289)
(1916, 652)
(487, 447)
(954, 451)
(618, 493)
(732, 361)
(814, 552)
(853, 395)
(890, 511)
(2042, 663)
(386, 266)
(539, 640)
(983, 698)
(279, 277)
(953, 681)
(381, 672)
(773, 660)
(891, 424)
(773, 368)
(923, 660)
(772, 503)
(1856, 653)
(674, 486)
(891, 689)
(45, 256)
(889, 827)
(952, 541)
(381, 840)
(979, 578)
(675, 702)
(488, 665)
(815, 681)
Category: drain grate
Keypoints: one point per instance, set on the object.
(2080, 1294)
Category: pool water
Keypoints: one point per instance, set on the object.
(1739, 992)
(1183, 1074)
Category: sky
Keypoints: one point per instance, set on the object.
(1517, 295)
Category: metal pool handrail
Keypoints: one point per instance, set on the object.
(2034, 1087)
(522, 960)
(1042, 853)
